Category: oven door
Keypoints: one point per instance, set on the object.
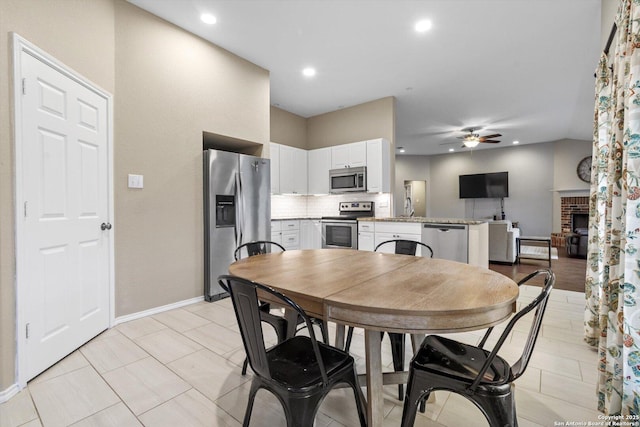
(341, 234)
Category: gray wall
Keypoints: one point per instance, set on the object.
(410, 168)
(536, 173)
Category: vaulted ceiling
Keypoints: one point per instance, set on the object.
(521, 68)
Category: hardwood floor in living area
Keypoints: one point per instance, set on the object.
(570, 272)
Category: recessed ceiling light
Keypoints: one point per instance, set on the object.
(423, 26)
(401, 149)
(451, 150)
(208, 18)
(309, 72)
(516, 142)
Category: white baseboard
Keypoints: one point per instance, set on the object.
(156, 310)
(9, 393)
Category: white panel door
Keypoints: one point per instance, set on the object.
(64, 253)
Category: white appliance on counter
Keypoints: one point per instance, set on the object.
(237, 210)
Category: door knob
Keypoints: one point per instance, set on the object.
(105, 226)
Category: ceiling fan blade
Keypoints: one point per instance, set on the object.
(495, 135)
(490, 141)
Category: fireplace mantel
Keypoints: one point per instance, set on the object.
(573, 192)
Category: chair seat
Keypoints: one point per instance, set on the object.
(459, 361)
(293, 362)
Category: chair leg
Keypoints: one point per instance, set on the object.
(244, 366)
(413, 397)
(255, 386)
(359, 397)
(347, 343)
(397, 351)
(324, 330)
(302, 412)
(500, 410)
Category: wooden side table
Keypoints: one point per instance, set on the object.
(537, 241)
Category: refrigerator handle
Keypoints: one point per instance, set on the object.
(239, 211)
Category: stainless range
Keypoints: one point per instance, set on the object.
(342, 231)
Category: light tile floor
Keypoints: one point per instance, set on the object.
(182, 368)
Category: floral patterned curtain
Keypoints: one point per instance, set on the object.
(612, 315)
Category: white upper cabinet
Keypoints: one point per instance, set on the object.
(293, 170)
(378, 166)
(274, 156)
(349, 155)
(319, 163)
(297, 171)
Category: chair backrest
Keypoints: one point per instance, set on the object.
(540, 304)
(406, 247)
(257, 247)
(244, 296)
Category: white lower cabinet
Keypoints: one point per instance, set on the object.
(286, 232)
(297, 234)
(476, 237)
(366, 235)
(310, 234)
(290, 234)
(276, 232)
(397, 231)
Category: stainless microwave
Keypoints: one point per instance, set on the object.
(348, 180)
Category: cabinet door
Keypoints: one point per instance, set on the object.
(276, 236)
(300, 171)
(365, 241)
(339, 156)
(293, 170)
(291, 239)
(274, 155)
(357, 154)
(310, 234)
(319, 163)
(378, 166)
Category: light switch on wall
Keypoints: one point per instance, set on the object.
(136, 181)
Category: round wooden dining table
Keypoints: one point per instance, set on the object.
(385, 292)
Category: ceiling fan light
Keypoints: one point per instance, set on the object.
(471, 143)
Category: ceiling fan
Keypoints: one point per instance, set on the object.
(473, 138)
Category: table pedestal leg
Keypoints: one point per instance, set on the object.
(339, 343)
(375, 399)
(416, 341)
(292, 322)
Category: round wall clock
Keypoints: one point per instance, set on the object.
(584, 169)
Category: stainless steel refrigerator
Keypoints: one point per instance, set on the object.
(237, 209)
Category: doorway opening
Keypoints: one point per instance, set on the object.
(415, 198)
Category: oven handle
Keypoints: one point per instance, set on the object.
(339, 222)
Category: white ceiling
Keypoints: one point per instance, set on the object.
(522, 68)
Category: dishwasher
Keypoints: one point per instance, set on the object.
(448, 241)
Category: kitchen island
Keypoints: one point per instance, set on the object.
(456, 239)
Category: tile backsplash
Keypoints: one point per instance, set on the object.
(318, 206)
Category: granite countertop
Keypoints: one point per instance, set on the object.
(424, 220)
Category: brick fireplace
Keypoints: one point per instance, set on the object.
(570, 206)
(572, 209)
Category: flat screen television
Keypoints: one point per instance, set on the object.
(484, 185)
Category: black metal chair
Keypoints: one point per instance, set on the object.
(481, 376)
(257, 247)
(402, 247)
(406, 247)
(279, 323)
(299, 371)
